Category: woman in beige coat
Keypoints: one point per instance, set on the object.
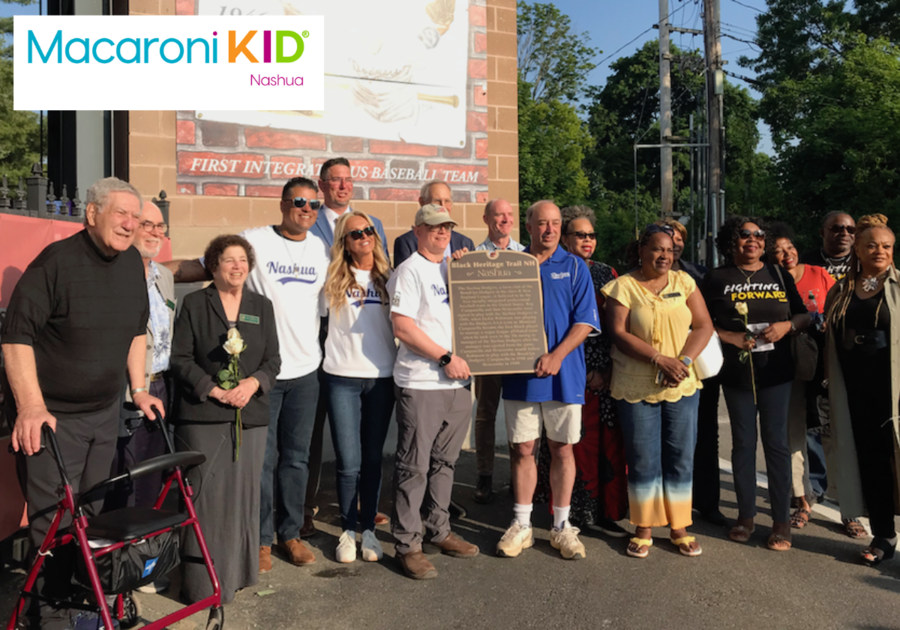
(863, 324)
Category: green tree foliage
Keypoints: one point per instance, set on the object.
(552, 59)
(20, 139)
(552, 145)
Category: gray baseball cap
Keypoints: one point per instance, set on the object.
(433, 214)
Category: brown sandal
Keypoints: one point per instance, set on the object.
(776, 542)
(740, 533)
(854, 529)
(800, 518)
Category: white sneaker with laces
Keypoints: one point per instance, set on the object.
(371, 548)
(346, 549)
(516, 538)
(566, 540)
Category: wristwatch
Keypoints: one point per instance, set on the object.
(793, 326)
(444, 360)
(686, 360)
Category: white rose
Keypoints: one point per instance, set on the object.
(741, 308)
(234, 333)
(234, 346)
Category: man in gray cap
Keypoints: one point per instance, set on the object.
(433, 399)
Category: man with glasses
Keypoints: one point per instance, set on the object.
(291, 264)
(500, 220)
(553, 396)
(435, 192)
(433, 402)
(838, 235)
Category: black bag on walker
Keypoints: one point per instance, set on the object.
(139, 562)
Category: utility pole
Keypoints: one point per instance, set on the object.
(714, 93)
(665, 110)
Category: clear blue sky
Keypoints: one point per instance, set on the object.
(613, 23)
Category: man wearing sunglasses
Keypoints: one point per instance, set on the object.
(291, 263)
(838, 235)
(435, 192)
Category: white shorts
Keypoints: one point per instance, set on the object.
(524, 419)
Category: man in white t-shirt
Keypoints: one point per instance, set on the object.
(291, 264)
(433, 401)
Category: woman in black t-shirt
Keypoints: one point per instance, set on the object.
(864, 382)
(774, 310)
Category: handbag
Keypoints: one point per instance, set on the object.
(803, 349)
(709, 362)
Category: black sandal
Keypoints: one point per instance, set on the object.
(883, 545)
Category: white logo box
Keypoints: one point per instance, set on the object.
(92, 63)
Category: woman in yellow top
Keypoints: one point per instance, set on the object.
(659, 323)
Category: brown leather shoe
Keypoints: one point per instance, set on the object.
(416, 566)
(309, 528)
(381, 519)
(456, 547)
(296, 552)
(265, 559)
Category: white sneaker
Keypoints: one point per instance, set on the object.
(566, 540)
(516, 538)
(371, 548)
(346, 549)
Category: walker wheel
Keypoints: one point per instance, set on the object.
(216, 619)
(131, 607)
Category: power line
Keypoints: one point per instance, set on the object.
(621, 48)
(748, 6)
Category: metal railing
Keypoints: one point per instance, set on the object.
(35, 197)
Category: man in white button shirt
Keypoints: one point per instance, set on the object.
(500, 220)
(433, 403)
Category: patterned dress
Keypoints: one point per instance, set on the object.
(600, 489)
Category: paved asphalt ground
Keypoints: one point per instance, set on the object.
(818, 584)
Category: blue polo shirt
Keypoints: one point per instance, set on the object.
(569, 299)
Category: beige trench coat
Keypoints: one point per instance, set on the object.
(848, 480)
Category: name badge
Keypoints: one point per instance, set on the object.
(671, 295)
(170, 304)
(249, 319)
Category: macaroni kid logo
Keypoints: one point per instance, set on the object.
(194, 53)
(756, 291)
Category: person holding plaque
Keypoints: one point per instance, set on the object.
(433, 402)
(552, 397)
(659, 322)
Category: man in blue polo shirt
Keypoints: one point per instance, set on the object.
(551, 397)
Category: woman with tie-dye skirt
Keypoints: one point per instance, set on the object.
(659, 323)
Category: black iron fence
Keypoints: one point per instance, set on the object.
(35, 196)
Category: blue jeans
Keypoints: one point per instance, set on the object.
(659, 447)
(292, 405)
(772, 406)
(359, 411)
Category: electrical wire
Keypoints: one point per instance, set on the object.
(748, 6)
(621, 48)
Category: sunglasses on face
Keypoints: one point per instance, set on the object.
(299, 202)
(837, 229)
(591, 236)
(745, 234)
(359, 234)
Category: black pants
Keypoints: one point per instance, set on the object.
(87, 445)
(870, 413)
(706, 454)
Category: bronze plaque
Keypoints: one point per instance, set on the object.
(497, 310)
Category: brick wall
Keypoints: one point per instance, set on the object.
(203, 207)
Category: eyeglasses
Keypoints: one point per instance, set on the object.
(745, 234)
(447, 227)
(837, 229)
(591, 236)
(149, 226)
(299, 202)
(654, 228)
(357, 235)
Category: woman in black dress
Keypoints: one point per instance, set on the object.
(864, 382)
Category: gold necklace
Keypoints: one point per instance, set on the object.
(746, 277)
(655, 291)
